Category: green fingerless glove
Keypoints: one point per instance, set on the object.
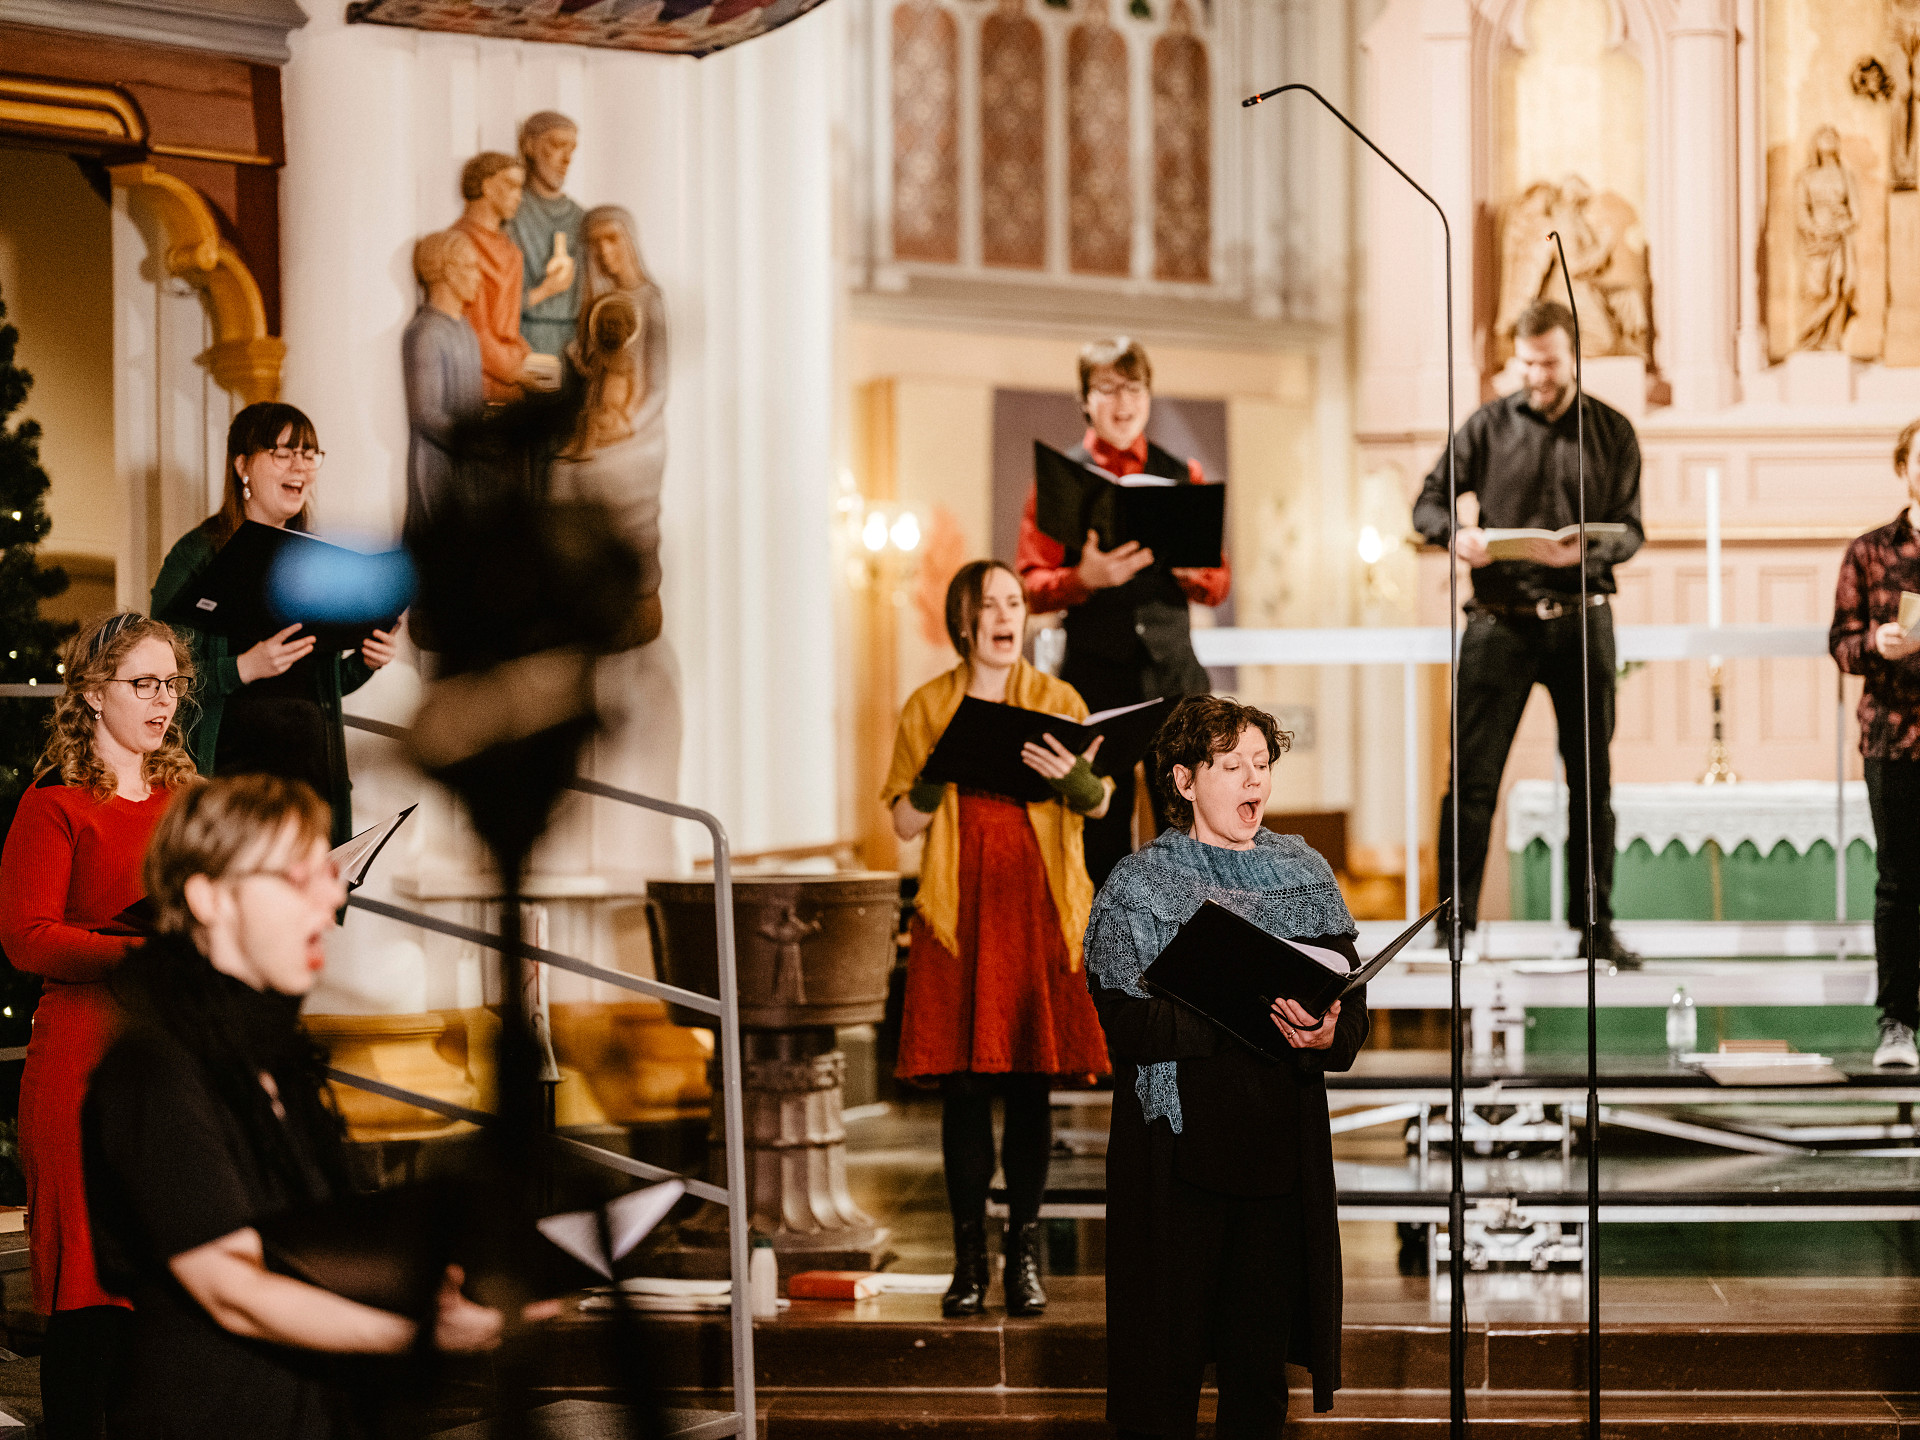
(926, 795)
(1080, 787)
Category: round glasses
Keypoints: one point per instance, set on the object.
(1133, 389)
(286, 455)
(145, 687)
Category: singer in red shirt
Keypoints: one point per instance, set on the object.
(72, 863)
(1128, 637)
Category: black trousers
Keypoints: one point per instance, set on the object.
(966, 1142)
(83, 1369)
(1893, 796)
(1501, 660)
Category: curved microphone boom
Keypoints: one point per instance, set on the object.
(1456, 1199)
(1588, 925)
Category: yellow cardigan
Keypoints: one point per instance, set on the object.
(1055, 826)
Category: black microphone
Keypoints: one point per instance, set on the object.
(1456, 1198)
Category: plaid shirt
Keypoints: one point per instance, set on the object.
(1878, 566)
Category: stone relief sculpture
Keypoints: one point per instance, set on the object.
(618, 457)
(546, 227)
(1896, 78)
(440, 357)
(1606, 255)
(491, 183)
(1826, 216)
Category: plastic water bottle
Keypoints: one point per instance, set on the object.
(1683, 1024)
(763, 1280)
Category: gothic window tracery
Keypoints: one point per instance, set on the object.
(1099, 169)
(926, 133)
(1182, 170)
(1013, 158)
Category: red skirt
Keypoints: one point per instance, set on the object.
(1010, 1002)
(72, 1030)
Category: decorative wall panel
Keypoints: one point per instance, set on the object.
(1099, 176)
(1182, 174)
(1013, 162)
(926, 151)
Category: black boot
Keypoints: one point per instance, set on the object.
(967, 1295)
(1024, 1295)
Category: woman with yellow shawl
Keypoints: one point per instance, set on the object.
(995, 1000)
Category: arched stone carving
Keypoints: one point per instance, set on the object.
(1182, 147)
(926, 109)
(1100, 184)
(1013, 161)
(100, 119)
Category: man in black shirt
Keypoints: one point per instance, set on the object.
(1520, 456)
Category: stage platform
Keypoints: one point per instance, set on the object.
(1707, 1356)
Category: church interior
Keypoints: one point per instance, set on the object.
(860, 248)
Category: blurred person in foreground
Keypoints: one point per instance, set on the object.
(210, 1114)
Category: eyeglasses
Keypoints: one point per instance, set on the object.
(301, 877)
(287, 456)
(145, 687)
(1132, 389)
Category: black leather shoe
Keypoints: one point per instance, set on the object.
(1022, 1281)
(967, 1295)
(1611, 952)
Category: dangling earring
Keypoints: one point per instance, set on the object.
(246, 488)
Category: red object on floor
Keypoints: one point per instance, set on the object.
(1010, 1001)
(71, 864)
(834, 1285)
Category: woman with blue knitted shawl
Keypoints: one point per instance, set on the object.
(1223, 1238)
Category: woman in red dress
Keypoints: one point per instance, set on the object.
(995, 999)
(71, 864)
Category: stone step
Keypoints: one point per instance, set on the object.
(1358, 1415)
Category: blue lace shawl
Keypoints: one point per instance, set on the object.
(1282, 885)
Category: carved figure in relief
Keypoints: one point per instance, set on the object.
(546, 227)
(1825, 216)
(440, 358)
(491, 184)
(618, 454)
(1896, 78)
(1606, 253)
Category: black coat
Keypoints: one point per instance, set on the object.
(1255, 1146)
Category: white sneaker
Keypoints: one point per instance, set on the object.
(1897, 1049)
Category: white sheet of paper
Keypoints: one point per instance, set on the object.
(1332, 959)
(629, 1218)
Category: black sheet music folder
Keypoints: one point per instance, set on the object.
(1183, 524)
(234, 597)
(1231, 971)
(980, 748)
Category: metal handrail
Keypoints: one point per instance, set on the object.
(725, 1008)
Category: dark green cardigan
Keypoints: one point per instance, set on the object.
(217, 675)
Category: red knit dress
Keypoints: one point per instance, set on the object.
(1012, 1001)
(71, 864)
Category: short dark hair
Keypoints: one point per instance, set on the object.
(1201, 727)
(966, 593)
(475, 174)
(1542, 316)
(1904, 445)
(1121, 353)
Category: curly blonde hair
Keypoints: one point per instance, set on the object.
(92, 658)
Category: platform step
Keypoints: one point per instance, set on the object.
(1358, 1415)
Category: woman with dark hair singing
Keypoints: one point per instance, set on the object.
(1223, 1238)
(274, 707)
(210, 1114)
(72, 863)
(993, 1002)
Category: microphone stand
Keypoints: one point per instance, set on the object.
(1589, 925)
(1456, 1199)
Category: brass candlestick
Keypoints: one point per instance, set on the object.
(1719, 769)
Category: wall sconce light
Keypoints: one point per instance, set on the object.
(1371, 546)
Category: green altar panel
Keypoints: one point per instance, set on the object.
(1674, 885)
